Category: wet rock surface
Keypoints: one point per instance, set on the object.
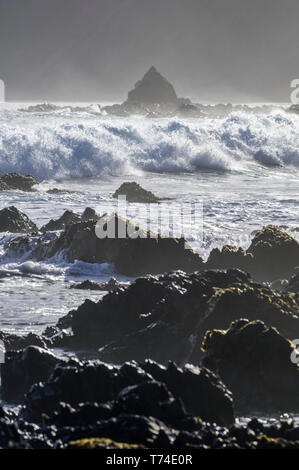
(14, 221)
(12, 181)
(67, 218)
(255, 362)
(135, 193)
(136, 321)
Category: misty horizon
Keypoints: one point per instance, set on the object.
(211, 51)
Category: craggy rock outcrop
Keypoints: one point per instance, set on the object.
(14, 221)
(144, 389)
(153, 89)
(275, 254)
(67, 218)
(89, 214)
(135, 193)
(24, 368)
(131, 256)
(175, 309)
(16, 181)
(254, 361)
(15, 342)
(111, 286)
(230, 257)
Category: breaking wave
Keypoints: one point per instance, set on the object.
(77, 146)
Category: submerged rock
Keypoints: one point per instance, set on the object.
(135, 193)
(254, 361)
(16, 181)
(14, 221)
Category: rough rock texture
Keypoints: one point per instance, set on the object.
(89, 214)
(254, 361)
(175, 309)
(153, 88)
(130, 256)
(16, 181)
(24, 368)
(143, 389)
(275, 253)
(14, 221)
(67, 218)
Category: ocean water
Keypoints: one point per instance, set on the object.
(236, 174)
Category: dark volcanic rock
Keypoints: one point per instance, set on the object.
(16, 181)
(175, 309)
(24, 368)
(148, 253)
(199, 389)
(67, 218)
(275, 253)
(130, 389)
(254, 361)
(153, 88)
(135, 193)
(230, 257)
(14, 221)
(14, 342)
(89, 214)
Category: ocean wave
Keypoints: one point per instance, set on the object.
(56, 147)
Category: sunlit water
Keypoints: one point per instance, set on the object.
(237, 173)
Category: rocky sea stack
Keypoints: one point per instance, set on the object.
(153, 88)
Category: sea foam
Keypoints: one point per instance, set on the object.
(79, 145)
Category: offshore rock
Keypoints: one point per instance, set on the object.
(153, 88)
(135, 193)
(16, 181)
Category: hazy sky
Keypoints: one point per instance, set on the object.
(95, 50)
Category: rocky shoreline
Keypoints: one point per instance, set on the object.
(194, 344)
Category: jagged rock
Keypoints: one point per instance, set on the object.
(229, 257)
(199, 389)
(24, 368)
(14, 221)
(15, 342)
(148, 253)
(275, 253)
(153, 88)
(67, 218)
(254, 361)
(111, 286)
(135, 193)
(16, 181)
(175, 309)
(130, 389)
(89, 214)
